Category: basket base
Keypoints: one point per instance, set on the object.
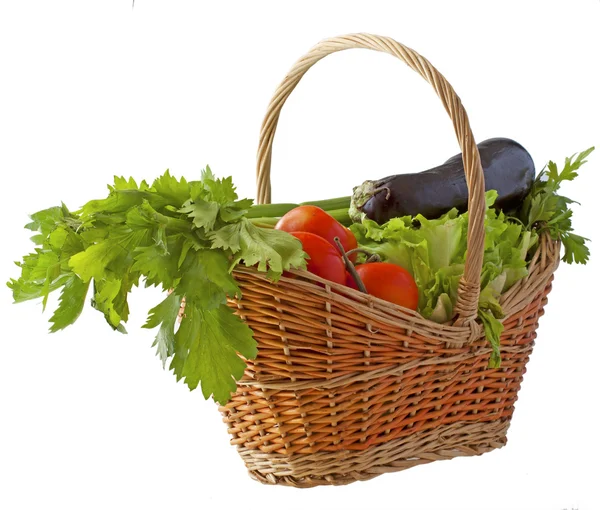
(346, 466)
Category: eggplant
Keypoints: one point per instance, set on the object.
(507, 167)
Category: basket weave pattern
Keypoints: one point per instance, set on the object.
(346, 386)
(344, 389)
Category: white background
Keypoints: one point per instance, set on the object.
(88, 418)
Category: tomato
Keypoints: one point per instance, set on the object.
(325, 260)
(313, 219)
(390, 282)
(349, 242)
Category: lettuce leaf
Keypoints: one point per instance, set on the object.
(434, 252)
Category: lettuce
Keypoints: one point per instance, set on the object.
(434, 252)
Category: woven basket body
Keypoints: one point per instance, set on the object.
(345, 386)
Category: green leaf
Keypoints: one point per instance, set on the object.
(490, 197)
(575, 248)
(443, 309)
(120, 183)
(569, 171)
(207, 175)
(95, 233)
(24, 289)
(493, 329)
(443, 240)
(176, 192)
(39, 271)
(158, 262)
(120, 201)
(187, 244)
(105, 293)
(236, 210)
(164, 315)
(206, 279)
(221, 191)
(387, 242)
(71, 302)
(553, 175)
(269, 249)
(545, 210)
(120, 303)
(203, 213)
(94, 261)
(65, 242)
(207, 348)
(541, 210)
(48, 265)
(445, 283)
(144, 216)
(46, 221)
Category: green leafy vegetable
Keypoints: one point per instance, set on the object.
(546, 211)
(71, 302)
(179, 235)
(165, 315)
(434, 251)
(270, 249)
(493, 329)
(206, 347)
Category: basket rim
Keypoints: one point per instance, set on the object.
(541, 267)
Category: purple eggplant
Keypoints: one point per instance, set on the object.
(508, 168)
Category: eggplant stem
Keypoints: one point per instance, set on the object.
(379, 190)
(350, 266)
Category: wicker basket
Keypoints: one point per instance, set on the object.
(346, 386)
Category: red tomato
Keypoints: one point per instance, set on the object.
(390, 282)
(349, 243)
(313, 219)
(325, 260)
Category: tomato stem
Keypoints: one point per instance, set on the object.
(372, 256)
(350, 266)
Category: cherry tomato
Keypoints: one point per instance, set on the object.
(325, 260)
(313, 219)
(390, 282)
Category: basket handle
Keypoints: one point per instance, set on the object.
(468, 291)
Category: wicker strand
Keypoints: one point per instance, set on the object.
(467, 308)
(341, 468)
(469, 292)
(394, 371)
